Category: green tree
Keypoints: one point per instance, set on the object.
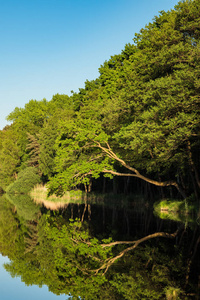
(25, 181)
(28, 121)
(62, 108)
(142, 115)
(33, 147)
(11, 237)
(10, 156)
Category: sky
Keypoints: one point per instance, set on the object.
(54, 46)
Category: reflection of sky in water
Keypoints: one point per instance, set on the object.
(14, 289)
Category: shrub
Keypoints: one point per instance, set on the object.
(26, 180)
(1, 190)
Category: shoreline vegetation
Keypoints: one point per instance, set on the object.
(39, 194)
(180, 211)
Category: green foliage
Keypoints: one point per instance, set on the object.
(77, 157)
(174, 206)
(32, 115)
(24, 205)
(150, 273)
(10, 155)
(173, 293)
(145, 104)
(33, 147)
(25, 181)
(181, 211)
(79, 242)
(141, 115)
(51, 131)
(11, 238)
(144, 108)
(64, 255)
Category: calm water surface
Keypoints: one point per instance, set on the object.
(15, 289)
(48, 254)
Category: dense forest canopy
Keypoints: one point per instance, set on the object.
(138, 120)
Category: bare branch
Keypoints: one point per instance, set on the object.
(138, 175)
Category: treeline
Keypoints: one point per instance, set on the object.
(136, 126)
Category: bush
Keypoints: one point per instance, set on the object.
(1, 190)
(26, 180)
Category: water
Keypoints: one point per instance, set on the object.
(50, 254)
(14, 288)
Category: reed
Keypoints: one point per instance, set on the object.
(40, 193)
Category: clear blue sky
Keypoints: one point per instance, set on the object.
(53, 46)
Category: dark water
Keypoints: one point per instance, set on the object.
(60, 254)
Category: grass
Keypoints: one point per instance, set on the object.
(174, 206)
(40, 193)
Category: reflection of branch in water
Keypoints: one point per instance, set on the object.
(31, 239)
(89, 212)
(72, 211)
(86, 207)
(181, 237)
(110, 261)
(190, 261)
(79, 212)
(83, 215)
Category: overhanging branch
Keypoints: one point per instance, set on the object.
(108, 151)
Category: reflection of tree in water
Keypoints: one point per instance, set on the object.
(72, 257)
(25, 207)
(11, 231)
(31, 237)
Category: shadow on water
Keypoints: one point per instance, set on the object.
(108, 249)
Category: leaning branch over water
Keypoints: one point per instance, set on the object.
(108, 151)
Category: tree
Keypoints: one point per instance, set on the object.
(10, 156)
(25, 181)
(62, 108)
(30, 130)
(142, 114)
(139, 118)
(33, 147)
